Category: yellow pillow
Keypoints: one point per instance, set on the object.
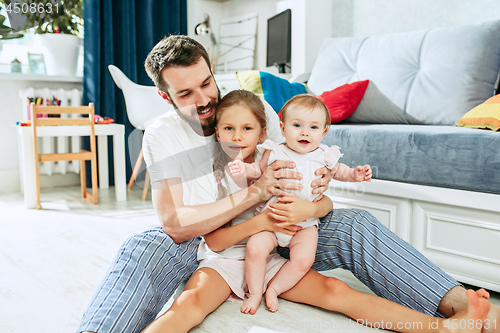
(486, 115)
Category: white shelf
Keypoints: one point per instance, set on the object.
(38, 77)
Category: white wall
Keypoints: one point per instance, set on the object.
(376, 17)
(313, 20)
(264, 9)
(196, 9)
(311, 23)
(218, 10)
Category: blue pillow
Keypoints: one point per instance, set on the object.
(275, 90)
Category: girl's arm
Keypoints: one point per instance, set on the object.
(251, 170)
(343, 173)
(222, 238)
(293, 210)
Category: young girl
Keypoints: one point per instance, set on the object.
(305, 121)
(240, 126)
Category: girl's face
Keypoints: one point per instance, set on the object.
(303, 130)
(239, 131)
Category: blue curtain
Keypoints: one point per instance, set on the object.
(121, 33)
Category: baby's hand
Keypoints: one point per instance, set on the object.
(237, 167)
(362, 173)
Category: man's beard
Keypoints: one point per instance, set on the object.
(210, 125)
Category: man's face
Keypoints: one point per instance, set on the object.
(194, 94)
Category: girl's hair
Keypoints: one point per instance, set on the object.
(308, 102)
(236, 97)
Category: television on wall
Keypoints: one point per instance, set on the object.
(279, 40)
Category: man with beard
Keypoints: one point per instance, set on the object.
(177, 149)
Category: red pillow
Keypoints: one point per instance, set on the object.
(343, 101)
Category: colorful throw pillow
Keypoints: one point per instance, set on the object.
(343, 101)
(275, 90)
(486, 115)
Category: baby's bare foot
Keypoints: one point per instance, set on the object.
(251, 304)
(483, 293)
(471, 319)
(272, 300)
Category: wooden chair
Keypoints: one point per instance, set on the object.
(82, 156)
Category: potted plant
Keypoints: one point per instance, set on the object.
(6, 32)
(58, 27)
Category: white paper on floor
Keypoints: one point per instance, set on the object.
(257, 329)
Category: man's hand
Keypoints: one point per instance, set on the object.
(362, 173)
(273, 181)
(321, 185)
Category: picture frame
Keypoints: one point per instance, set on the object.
(37, 63)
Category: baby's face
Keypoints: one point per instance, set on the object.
(303, 129)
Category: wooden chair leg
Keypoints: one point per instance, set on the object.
(146, 187)
(35, 150)
(94, 181)
(137, 166)
(37, 180)
(83, 179)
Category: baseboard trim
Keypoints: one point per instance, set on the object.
(10, 180)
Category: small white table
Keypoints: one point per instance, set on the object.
(101, 131)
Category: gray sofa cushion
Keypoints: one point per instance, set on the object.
(444, 156)
(436, 75)
(376, 108)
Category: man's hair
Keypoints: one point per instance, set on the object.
(173, 51)
(308, 102)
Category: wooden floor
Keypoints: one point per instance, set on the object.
(51, 262)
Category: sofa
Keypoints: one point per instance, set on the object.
(435, 185)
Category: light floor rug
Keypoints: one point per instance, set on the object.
(52, 260)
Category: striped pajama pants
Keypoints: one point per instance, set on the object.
(150, 266)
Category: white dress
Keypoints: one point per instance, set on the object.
(306, 164)
(230, 262)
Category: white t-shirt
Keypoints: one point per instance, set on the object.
(173, 150)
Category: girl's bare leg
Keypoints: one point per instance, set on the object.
(332, 294)
(258, 248)
(302, 253)
(204, 292)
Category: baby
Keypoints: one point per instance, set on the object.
(305, 121)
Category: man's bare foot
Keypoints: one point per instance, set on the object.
(251, 304)
(473, 318)
(272, 300)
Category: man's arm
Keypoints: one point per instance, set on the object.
(182, 222)
(222, 238)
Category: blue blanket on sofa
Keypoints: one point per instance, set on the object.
(443, 156)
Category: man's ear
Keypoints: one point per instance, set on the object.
(164, 96)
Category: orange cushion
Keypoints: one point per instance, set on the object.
(485, 115)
